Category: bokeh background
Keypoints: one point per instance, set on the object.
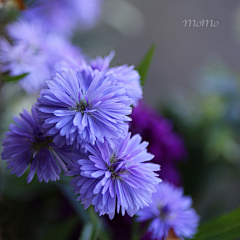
(180, 50)
(193, 82)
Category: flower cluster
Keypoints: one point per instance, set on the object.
(80, 122)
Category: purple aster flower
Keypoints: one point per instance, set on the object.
(63, 17)
(167, 146)
(80, 107)
(102, 63)
(24, 144)
(115, 177)
(35, 52)
(126, 76)
(170, 209)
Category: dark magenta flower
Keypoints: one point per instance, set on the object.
(167, 146)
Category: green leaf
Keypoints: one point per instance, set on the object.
(87, 232)
(138, 230)
(144, 65)
(87, 216)
(101, 230)
(135, 230)
(226, 227)
(7, 78)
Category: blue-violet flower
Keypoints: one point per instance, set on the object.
(117, 177)
(80, 107)
(170, 209)
(24, 145)
(126, 76)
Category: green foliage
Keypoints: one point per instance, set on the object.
(226, 227)
(135, 231)
(14, 188)
(144, 65)
(93, 230)
(94, 227)
(28, 211)
(62, 230)
(7, 15)
(7, 78)
(87, 232)
(99, 226)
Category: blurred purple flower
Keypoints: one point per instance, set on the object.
(80, 107)
(63, 54)
(117, 177)
(126, 76)
(167, 146)
(170, 209)
(32, 35)
(18, 59)
(35, 52)
(88, 12)
(24, 145)
(63, 17)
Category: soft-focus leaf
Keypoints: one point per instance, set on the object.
(7, 15)
(89, 215)
(143, 67)
(7, 78)
(101, 231)
(98, 233)
(87, 232)
(135, 231)
(226, 227)
(138, 230)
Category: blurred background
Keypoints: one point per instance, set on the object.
(130, 27)
(192, 89)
